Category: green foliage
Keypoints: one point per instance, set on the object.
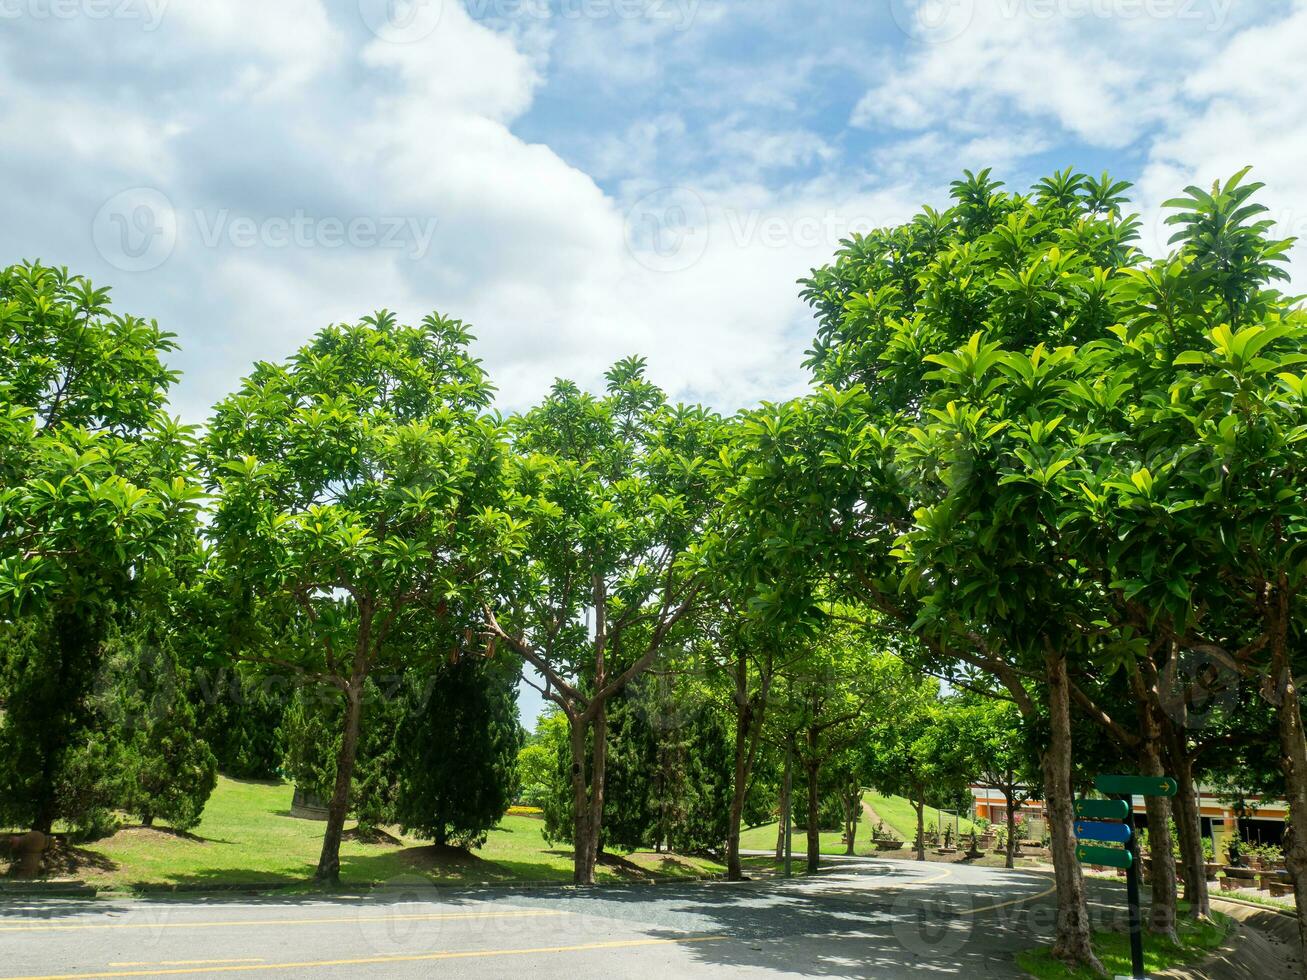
(241, 718)
(97, 509)
(358, 488)
(535, 767)
(312, 731)
(166, 770)
(457, 751)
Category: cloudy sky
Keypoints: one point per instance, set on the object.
(582, 179)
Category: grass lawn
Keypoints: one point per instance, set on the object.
(900, 817)
(1197, 939)
(248, 835)
(896, 811)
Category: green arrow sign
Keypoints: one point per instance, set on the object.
(1136, 785)
(1102, 809)
(1107, 857)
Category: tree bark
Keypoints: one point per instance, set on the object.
(787, 789)
(1293, 745)
(748, 728)
(1073, 943)
(598, 769)
(582, 873)
(1189, 833)
(919, 803)
(813, 768)
(851, 800)
(1010, 858)
(1161, 916)
(338, 808)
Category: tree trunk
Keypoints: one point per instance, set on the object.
(852, 801)
(582, 874)
(1010, 858)
(1293, 745)
(598, 769)
(1074, 940)
(1161, 916)
(919, 803)
(1173, 719)
(338, 808)
(812, 768)
(787, 789)
(1189, 832)
(582, 831)
(748, 727)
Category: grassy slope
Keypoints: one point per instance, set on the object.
(894, 810)
(1113, 948)
(248, 835)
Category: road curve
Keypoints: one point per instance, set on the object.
(858, 918)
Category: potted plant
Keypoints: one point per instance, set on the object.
(1210, 865)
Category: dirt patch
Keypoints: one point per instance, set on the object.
(626, 868)
(65, 862)
(373, 836)
(160, 834)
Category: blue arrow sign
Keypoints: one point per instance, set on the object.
(1117, 833)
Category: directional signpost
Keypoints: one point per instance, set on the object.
(1102, 809)
(1095, 824)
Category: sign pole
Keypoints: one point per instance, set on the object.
(1132, 896)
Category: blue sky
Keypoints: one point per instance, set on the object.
(583, 179)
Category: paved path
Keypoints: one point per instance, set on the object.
(861, 917)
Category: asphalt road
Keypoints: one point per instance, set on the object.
(864, 918)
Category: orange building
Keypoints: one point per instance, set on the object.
(1262, 822)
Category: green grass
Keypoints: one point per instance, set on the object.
(248, 836)
(898, 814)
(900, 817)
(1197, 940)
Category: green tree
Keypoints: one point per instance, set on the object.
(97, 506)
(168, 771)
(993, 738)
(535, 768)
(823, 706)
(459, 744)
(911, 750)
(357, 489)
(241, 714)
(836, 478)
(614, 493)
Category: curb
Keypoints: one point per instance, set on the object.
(1287, 913)
(345, 890)
(57, 889)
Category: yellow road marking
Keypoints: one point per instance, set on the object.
(244, 959)
(367, 960)
(1015, 901)
(239, 923)
(946, 873)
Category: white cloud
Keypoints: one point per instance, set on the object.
(262, 111)
(1243, 116)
